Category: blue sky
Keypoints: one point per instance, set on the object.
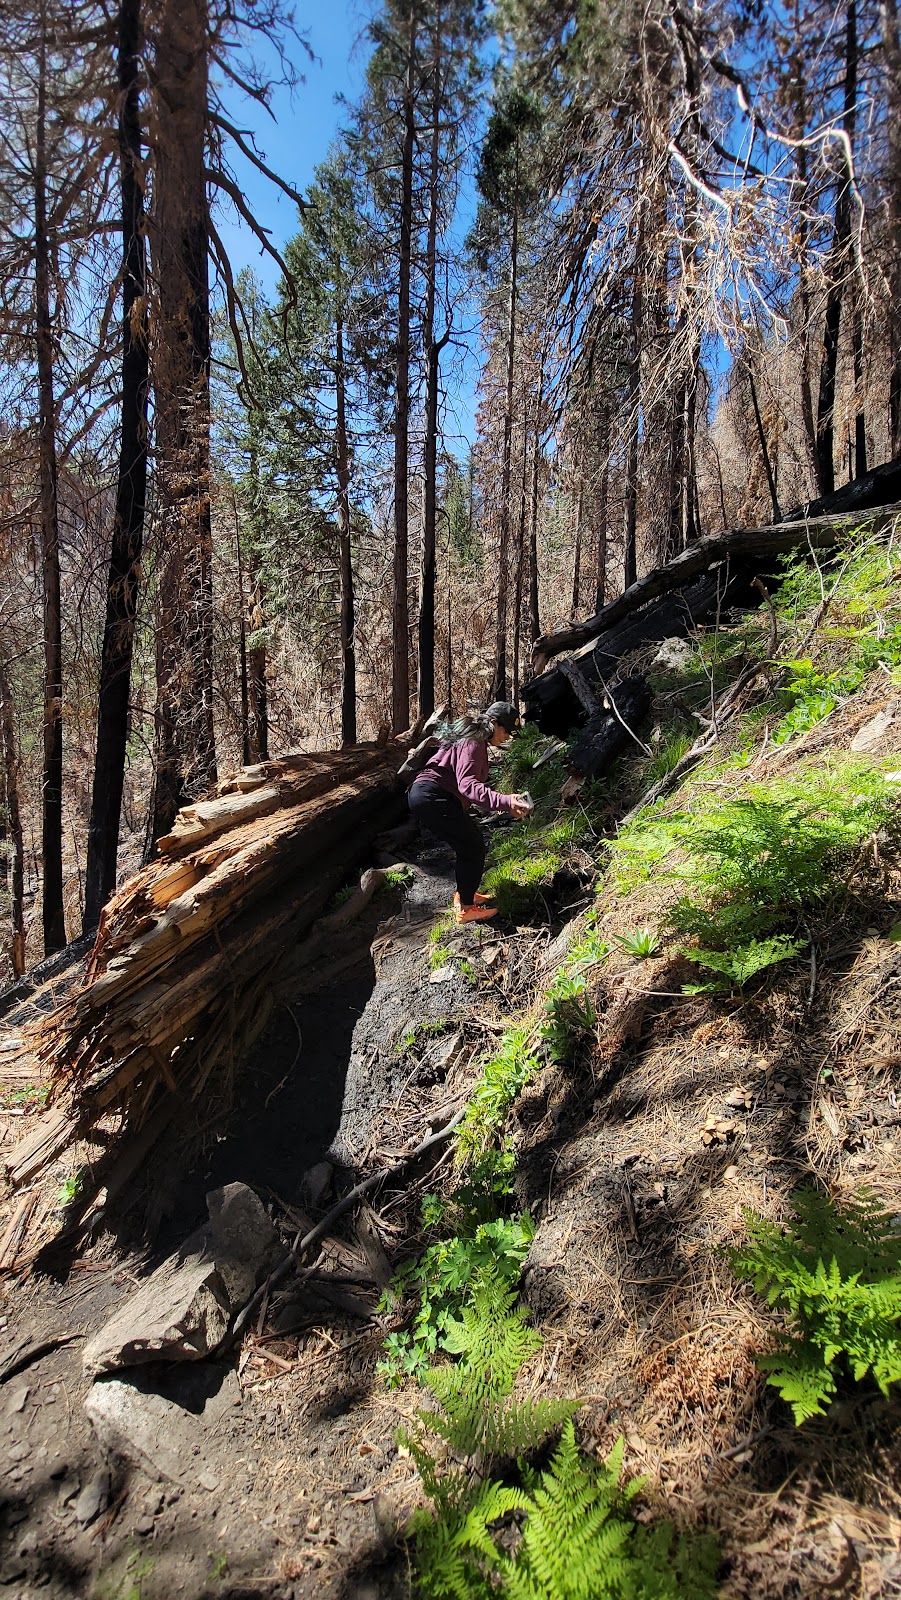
(294, 141)
(297, 140)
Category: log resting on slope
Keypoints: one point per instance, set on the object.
(190, 949)
(551, 700)
(817, 532)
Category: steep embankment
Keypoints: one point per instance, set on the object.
(676, 1017)
(717, 1031)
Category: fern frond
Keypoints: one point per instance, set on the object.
(835, 1272)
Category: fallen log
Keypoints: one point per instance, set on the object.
(612, 728)
(551, 700)
(880, 487)
(819, 533)
(190, 951)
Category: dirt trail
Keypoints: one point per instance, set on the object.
(287, 1480)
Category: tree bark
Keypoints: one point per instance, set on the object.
(600, 594)
(345, 555)
(16, 878)
(123, 580)
(841, 241)
(764, 447)
(499, 684)
(400, 691)
(258, 703)
(633, 405)
(891, 49)
(534, 601)
(577, 555)
(520, 554)
(52, 779)
(185, 745)
(432, 348)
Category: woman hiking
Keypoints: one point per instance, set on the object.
(453, 780)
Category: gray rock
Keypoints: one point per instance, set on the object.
(182, 1310)
(162, 1434)
(873, 731)
(143, 1428)
(316, 1182)
(18, 1395)
(180, 1313)
(674, 654)
(244, 1244)
(93, 1498)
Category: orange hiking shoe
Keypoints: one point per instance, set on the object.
(474, 913)
(479, 900)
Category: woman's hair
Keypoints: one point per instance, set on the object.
(478, 727)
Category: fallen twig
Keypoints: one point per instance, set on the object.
(28, 1354)
(303, 1243)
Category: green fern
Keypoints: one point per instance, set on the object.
(503, 1075)
(837, 1275)
(746, 960)
(564, 1533)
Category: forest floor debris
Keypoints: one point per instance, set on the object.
(682, 1098)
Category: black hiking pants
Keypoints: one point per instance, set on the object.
(444, 816)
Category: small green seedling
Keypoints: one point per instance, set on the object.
(640, 942)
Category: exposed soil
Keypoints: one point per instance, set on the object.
(636, 1159)
(292, 1481)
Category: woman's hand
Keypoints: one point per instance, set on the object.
(520, 806)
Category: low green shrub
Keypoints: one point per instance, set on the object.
(568, 1015)
(836, 1273)
(758, 863)
(443, 1278)
(504, 1074)
(639, 942)
(398, 877)
(502, 1527)
(675, 744)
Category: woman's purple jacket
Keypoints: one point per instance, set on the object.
(462, 770)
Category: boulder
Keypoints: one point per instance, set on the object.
(243, 1242)
(183, 1309)
(163, 1436)
(180, 1313)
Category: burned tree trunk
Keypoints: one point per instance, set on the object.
(400, 691)
(185, 756)
(52, 780)
(613, 728)
(16, 876)
(128, 521)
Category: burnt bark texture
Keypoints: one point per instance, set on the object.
(499, 685)
(345, 553)
(52, 776)
(840, 267)
(891, 48)
(400, 690)
(185, 754)
(14, 837)
(432, 347)
(123, 581)
(608, 732)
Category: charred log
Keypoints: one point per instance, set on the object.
(613, 727)
(742, 544)
(550, 699)
(871, 490)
